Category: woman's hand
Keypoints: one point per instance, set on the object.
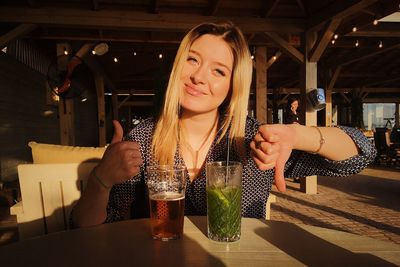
(271, 148)
(121, 160)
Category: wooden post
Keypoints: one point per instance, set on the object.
(261, 84)
(65, 106)
(275, 99)
(115, 105)
(309, 116)
(99, 81)
(328, 107)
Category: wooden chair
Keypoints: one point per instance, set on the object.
(271, 199)
(48, 193)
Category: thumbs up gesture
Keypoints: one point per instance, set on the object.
(271, 148)
(121, 160)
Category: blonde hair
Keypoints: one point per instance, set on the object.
(233, 110)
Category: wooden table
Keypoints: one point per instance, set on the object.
(263, 243)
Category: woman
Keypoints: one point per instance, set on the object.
(205, 109)
(291, 111)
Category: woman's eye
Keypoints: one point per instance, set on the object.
(220, 72)
(192, 59)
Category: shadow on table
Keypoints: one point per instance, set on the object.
(123, 243)
(200, 223)
(312, 250)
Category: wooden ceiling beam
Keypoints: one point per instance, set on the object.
(383, 29)
(383, 81)
(285, 46)
(338, 10)
(212, 7)
(324, 40)
(15, 33)
(81, 18)
(379, 100)
(369, 90)
(269, 7)
(334, 78)
(273, 59)
(300, 3)
(360, 55)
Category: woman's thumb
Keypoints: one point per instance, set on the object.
(279, 176)
(118, 132)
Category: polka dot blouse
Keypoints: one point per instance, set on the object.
(129, 199)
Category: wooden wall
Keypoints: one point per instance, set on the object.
(24, 114)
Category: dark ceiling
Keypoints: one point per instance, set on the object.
(151, 27)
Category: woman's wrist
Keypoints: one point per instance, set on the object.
(98, 182)
(307, 138)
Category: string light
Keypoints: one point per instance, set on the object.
(380, 44)
(333, 41)
(357, 43)
(336, 36)
(375, 22)
(65, 51)
(93, 52)
(252, 57)
(134, 53)
(274, 58)
(115, 60)
(354, 29)
(160, 56)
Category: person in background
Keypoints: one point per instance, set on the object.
(291, 114)
(204, 111)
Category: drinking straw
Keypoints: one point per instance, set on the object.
(227, 158)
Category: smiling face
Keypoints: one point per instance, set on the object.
(206, 75)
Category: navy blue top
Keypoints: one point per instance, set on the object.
(129, 199)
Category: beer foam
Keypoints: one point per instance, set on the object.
(168, 196)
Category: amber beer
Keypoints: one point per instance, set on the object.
(166, 215)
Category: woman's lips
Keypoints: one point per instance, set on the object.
(193, 91)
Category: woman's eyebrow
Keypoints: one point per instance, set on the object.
(216, 62)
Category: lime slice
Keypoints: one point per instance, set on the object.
(219, 196)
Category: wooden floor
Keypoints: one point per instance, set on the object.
(367, 204)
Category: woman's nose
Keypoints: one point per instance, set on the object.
(198, 75)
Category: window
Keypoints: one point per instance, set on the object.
(379, 115)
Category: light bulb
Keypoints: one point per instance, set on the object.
(134, 53)
(333, 41)
(357, 43)
(274, 57)
(380, 44)
(65, 51)
(252, 57)
(93, 52)
(354, 29)
(160, 56)
(336, 36)
(115, 60)
(375, 22)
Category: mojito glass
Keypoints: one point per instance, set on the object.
(224, 200)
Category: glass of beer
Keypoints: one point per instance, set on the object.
(166, 187)
(224, 200)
